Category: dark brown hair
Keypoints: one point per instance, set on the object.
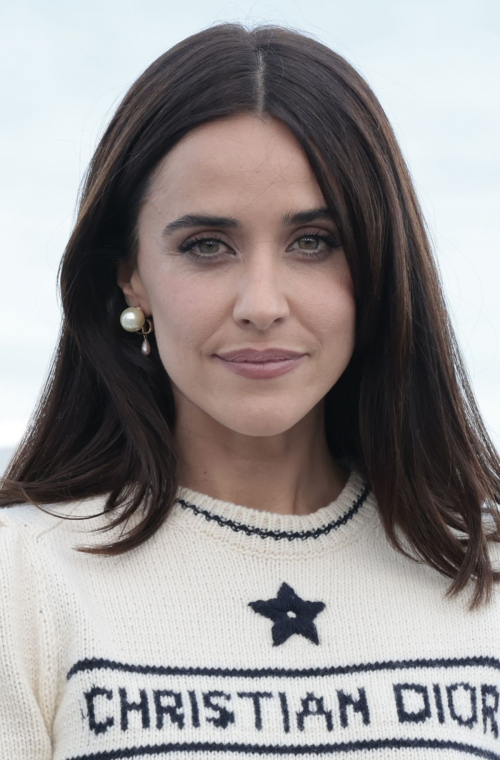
(105, 421)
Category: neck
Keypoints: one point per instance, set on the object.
(290, 473)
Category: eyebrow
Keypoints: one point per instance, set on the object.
(228, 222)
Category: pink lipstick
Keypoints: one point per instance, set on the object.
(263, 369)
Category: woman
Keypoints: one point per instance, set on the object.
(259, 401)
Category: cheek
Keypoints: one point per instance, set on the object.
(184, 316)
(336, 332)
(331, 314)
(331, 309)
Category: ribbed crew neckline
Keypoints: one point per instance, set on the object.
(264, 532)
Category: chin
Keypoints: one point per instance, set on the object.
(263, 423)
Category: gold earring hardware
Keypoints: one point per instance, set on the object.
(142, 331)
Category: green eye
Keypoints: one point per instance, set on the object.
(329, 241)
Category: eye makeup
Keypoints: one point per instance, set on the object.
(330, 242)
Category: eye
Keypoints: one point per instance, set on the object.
(316, 240)
(322, 245)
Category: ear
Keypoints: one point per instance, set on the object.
(129, 280)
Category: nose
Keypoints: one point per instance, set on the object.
(261, 298)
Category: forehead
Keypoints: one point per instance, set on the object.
(239, 159)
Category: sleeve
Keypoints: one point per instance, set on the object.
(24, 707)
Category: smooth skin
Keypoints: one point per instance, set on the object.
(256, 442)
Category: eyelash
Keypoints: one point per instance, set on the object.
(185, 248)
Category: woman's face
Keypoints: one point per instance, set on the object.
(258, 283)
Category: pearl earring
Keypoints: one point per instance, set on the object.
(133, 320)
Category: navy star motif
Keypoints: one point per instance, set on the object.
(290, 614)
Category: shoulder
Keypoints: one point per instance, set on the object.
(28, 519)
(492, 547)
(37, 557)
(493, 550)
(49, 523)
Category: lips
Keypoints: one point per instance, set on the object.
(263, 370)
(255, 356)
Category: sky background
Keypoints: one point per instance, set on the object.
(434, 65)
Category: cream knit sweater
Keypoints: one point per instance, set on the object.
(235, 632)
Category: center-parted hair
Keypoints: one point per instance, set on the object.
(105, 422)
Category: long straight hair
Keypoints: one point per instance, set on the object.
(105, 422)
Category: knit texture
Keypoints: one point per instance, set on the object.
(235, 632)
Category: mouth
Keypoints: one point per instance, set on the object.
(252, 354)
(256, 361)
(266, 368)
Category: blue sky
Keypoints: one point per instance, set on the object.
(435, 67)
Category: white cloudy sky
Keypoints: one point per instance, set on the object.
(434, 64)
